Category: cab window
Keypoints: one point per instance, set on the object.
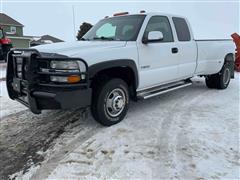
(120, 28)
(160, 23)
(107, 30)
(182, 29)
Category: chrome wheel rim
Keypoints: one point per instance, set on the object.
(115, 102)
(226, 76)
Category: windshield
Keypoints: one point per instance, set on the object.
(1, 34)
(122, 28)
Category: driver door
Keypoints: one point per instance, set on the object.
(158, 61)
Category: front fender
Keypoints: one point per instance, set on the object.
(95, 68)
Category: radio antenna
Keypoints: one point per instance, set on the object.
(74, 25)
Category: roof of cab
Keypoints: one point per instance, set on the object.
(148, 14)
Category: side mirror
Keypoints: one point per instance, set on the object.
(153, 36)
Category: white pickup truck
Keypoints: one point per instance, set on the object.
(122, 57)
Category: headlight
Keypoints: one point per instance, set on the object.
(64, 65)
(72, 71)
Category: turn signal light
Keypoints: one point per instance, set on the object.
(73, 79)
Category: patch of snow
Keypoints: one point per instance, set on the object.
(8, 106)
(25, 176)
(3, 89)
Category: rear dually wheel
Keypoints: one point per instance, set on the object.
(220, 80)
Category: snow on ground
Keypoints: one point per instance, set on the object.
(7, 106)
(188, 133)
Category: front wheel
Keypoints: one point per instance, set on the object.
(110, 102)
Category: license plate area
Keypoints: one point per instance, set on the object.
(20, 89)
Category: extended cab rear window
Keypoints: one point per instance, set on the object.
(182, 29)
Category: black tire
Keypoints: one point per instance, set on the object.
(103, 95)
(220, 80)
(211, 81)
(224, 77)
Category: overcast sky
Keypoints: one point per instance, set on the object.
(209, 19)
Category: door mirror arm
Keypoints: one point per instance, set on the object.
(144, 40)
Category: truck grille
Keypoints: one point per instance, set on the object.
(21, 76)
(19, 67)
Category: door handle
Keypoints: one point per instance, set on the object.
(174, 50)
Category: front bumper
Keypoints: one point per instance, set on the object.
(62, 100)
(31, 87)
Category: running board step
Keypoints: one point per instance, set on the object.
(162, 89)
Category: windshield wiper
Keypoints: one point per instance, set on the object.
(83, 39)
(103, 38)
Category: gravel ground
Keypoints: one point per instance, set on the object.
(189, 133)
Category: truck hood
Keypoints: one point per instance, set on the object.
(72, 49)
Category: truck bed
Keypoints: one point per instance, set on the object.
(211, 54)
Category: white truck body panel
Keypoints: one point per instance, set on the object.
(94, 51)
(211, 55)
(155, 62)
(165, 67)
(79, 48)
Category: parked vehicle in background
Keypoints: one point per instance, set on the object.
(5, 45)
(122, 57)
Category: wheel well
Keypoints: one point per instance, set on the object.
(229, 57)
(124, 73)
